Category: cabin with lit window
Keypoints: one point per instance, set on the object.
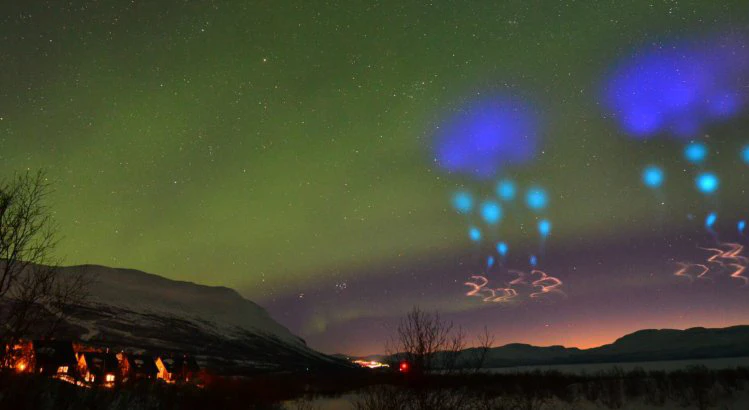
(177, 369)
(18, 356)
(137, 367)
(55, 358)
(99, 368)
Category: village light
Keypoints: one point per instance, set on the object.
(21, 366)
(372, 364)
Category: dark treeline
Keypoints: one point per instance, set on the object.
(695, 387)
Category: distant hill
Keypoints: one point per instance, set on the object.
(640, 346)
(138, 311)
(670, 344)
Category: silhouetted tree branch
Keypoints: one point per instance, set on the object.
(484, 343)
(418, 338)
(455, 344)
(33, 294)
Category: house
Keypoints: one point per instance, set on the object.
(55, 358)
(177, 369)
(18, 356)
(136, 366)
(99, 368)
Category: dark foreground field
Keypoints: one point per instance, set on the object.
(695, 387)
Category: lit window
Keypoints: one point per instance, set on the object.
(62, 369)
(110, 378)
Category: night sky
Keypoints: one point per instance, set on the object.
(306, 154)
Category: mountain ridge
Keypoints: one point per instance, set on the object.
(153, 275)
(133, 310)
(641, 345)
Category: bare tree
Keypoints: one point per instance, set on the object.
(428, 342)
(68, 293)
(33, 293)
(27, 231)
(421, 336)
(484, 343)
(453, 348)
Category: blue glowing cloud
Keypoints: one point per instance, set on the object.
(745, 154)
(653, 176)
(533, 260)
(710, 220)
(487, 135)
(696, 152)
(536, 198)
(707, 182)
(491, 212)
(742, 227)
(676, 90)
(474, 233)
(489, 262)
(502, 249)
(506, 190)
(462, 202)
(544, 227)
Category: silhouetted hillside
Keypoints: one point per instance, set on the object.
(138, 311)
(643, 345)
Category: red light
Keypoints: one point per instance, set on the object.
(404, 367)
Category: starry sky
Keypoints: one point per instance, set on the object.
(287, 150)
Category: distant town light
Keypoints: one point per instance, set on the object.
(371, 364)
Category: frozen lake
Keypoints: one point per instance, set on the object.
(739, 401)
(716, 364)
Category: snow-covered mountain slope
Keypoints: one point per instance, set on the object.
(134, 310)
(145, 292)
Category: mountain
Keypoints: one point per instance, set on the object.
(670, 344)
(129, 309)
(513, 354)
(640, 346)
(643, 345)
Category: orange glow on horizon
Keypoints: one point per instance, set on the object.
(598, 331)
